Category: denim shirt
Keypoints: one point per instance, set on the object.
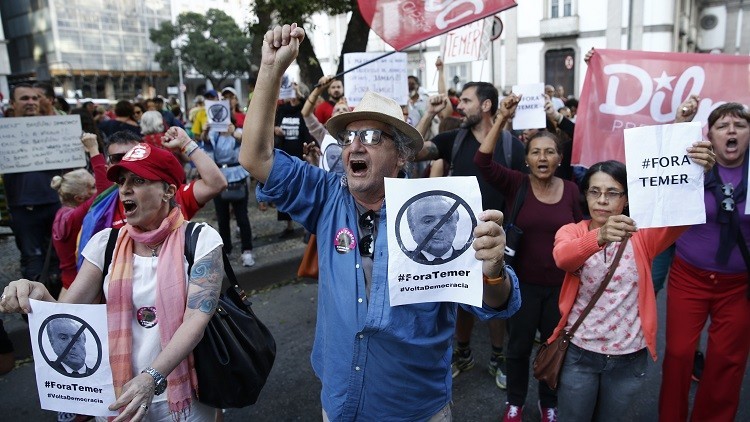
(375, 362)
(225, 151)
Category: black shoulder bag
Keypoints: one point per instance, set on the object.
(236, 353)
(514, 233)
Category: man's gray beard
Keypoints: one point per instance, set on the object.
(470, 122)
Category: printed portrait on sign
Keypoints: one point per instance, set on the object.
(70, 346)
(435, 227)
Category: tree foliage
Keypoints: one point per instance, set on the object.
(212, 44)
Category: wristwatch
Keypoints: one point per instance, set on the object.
(160, 381)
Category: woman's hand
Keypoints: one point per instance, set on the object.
(702, 153)
(616, 229)
(686, 111)
(552, 115)
(507, 107)
(16, 295)
(90, 144)
(489, 242)
(311, 153)
(175, 139)
(136, 397)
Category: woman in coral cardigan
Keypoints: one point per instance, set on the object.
(606, 360)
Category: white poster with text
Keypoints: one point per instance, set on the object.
(40, 143)
(430, 233)
(530, 110)
(665, 188)
(219, 115)
(387, 77)
(71, 357)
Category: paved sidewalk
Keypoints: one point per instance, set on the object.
(273, 256)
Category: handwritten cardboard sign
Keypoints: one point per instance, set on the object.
(665, 188)
(430, 232)
(466, 44)
(386, 76)
(71, 357)
(530, 110)
(40, 143)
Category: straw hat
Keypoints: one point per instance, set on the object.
(374, 106)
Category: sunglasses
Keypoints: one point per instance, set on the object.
(367, 243)
(610, 195)
(366, 136)
(728, 203)
(114, 158)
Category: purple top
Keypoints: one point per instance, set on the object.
(534, 263)
(699, 243)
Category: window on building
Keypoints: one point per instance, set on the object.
(560, 8)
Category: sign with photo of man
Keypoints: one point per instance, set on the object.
(71, 357)
(430, 257)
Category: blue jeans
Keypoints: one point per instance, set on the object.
(597, 387)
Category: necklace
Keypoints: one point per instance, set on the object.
(154, 248)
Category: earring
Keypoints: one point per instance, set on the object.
(165, 199)
(527, 164)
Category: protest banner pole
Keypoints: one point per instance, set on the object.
(359, 65)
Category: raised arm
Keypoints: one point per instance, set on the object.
(436, 104)
(280, 48)
(504, 113)
(448, 110)
(212, 180)
(309, 106)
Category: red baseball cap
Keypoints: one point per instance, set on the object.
(151, 164)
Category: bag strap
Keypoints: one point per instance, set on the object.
(520, 197)
(507, 148)
(191, 242)
(601, 288)
(44, 276)
(108, 251)
(745, 255)
(460, 136)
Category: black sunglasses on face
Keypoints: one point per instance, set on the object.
(115, 158)
(367, 243)
(366, 136)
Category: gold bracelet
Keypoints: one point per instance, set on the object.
(495, 281)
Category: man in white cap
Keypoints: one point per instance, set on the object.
(375, 361)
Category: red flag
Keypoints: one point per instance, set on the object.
(625, 89)
(402, 23)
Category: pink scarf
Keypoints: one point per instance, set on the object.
(171, 295)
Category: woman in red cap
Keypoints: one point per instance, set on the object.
(149, 304)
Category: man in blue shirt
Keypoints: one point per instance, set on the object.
(375, 361)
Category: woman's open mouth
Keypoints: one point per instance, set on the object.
(129, 206)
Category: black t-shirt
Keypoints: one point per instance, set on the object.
(5, 345)
(464, 165)
(31, 188)
(289, 118)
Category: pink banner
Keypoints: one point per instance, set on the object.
(625, 89)
(402, 23)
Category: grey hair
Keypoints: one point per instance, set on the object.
(152, 122)
(402, 146)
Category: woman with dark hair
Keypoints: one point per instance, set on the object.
(607, 357)
(549, 203)
(88, 125)
(708, 280)
(123, 120)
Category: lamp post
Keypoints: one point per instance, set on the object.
(177, 45)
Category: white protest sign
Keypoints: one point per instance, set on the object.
(71, 357)
(530, 110)
(40, 143)
(386, 76)
(286, 91)
(665, 188)
(465, 43)
(430, 232)
(219, 115)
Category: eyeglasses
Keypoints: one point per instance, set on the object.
(115, 158)
(728, 203)
(366, 136)
(610, 195)
(367, 242)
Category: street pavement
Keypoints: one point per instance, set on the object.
(287, 306)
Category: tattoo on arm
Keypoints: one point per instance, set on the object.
(430, 152)
(205, 280)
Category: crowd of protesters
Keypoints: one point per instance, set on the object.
(573, 222)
